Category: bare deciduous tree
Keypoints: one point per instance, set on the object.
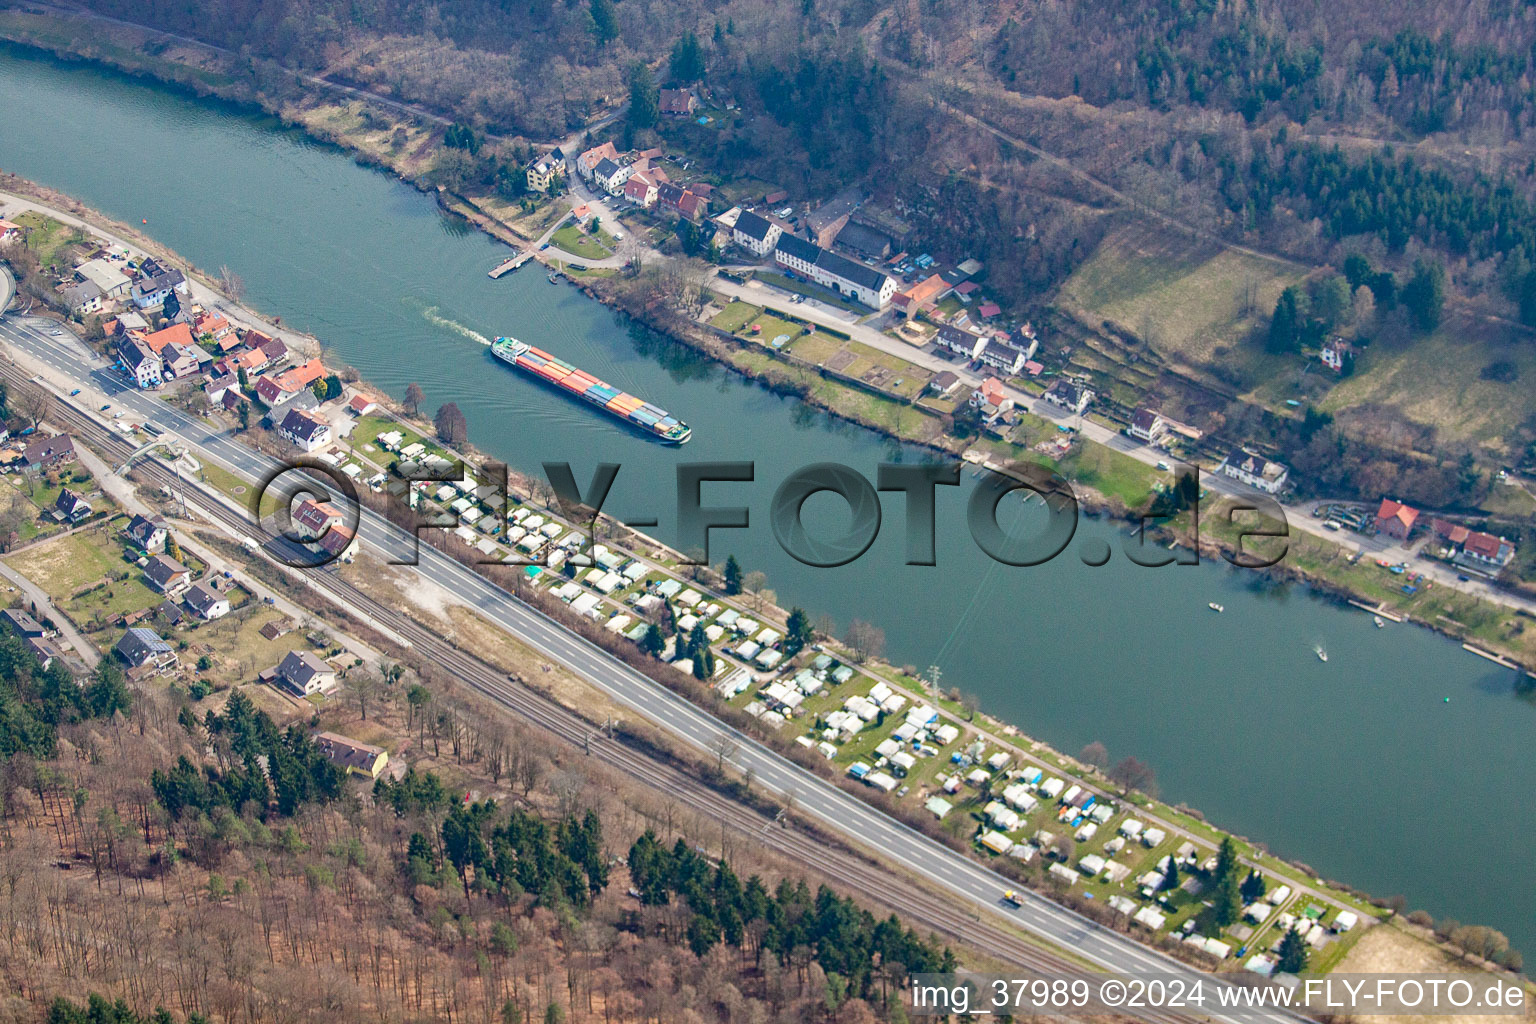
(865, 639)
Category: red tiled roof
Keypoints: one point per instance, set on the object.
(1396, 510)
(176, 334)
(1484, 544)
(990, 309)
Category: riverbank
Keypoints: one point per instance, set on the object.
(395, 137)
(1183, 822)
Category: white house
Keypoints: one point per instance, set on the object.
(960, 341)
(1002, 355)
(1335, 352)
(206, 602)
(756, 234)
(141, 363)
(303, 673)
(305, 430)
(1069, 395)
(611, 176)
(1148, 425)
(1255, 470)
(828, 269)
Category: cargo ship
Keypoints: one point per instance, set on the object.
(651, 420)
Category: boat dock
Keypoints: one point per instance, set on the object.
(1496, 659)
(1380, 609)
(509, 264)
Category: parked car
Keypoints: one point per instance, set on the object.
(73, 393)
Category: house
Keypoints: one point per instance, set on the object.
(211, 324)
(129, 321)
(678, 102)
(944, 383)
(991, 398)
(219, 383)
(587, 162)
(610, 176)
(1148, 425)
(988, 310)
(316, 517)
(340, 543)
(960, 341)
(9, 232)
(165, 574)
(683, 201)
(275, 350)
(680, 200)
(22, 624)
(180, 361)
(206, 602)
(44, 650)
(1336, 352)
(758, 235)
(826, 221)
(105, 275)
(864, 240)
(148, 534)
(911, 300)
(301, 672)
(542, 172)
(141, 363)
(356, 758)
(1473, 549)
(57, 450)
(70, 507)
(174, 335)
(640, 189)
(1002, 355)
(828, 269)
(1069, 395)
(141, 647)
(156, 283)
(276, 389)
(1485, 553)
(361, 404)
(1255, 470)
(305, 430)
(250, 360)
(1395, 519)
(82, 298)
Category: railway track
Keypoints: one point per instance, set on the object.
(917, 906)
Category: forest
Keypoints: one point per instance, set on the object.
(166, 859)
(1402, 131)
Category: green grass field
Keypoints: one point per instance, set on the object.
(1443, 380)
(573, 240)
(1190, 302)
(735, 316)
(48, 238)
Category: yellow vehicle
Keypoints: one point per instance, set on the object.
(1012, 898)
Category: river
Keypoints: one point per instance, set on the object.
(1360, 766)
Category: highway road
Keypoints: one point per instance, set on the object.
(63, 360)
